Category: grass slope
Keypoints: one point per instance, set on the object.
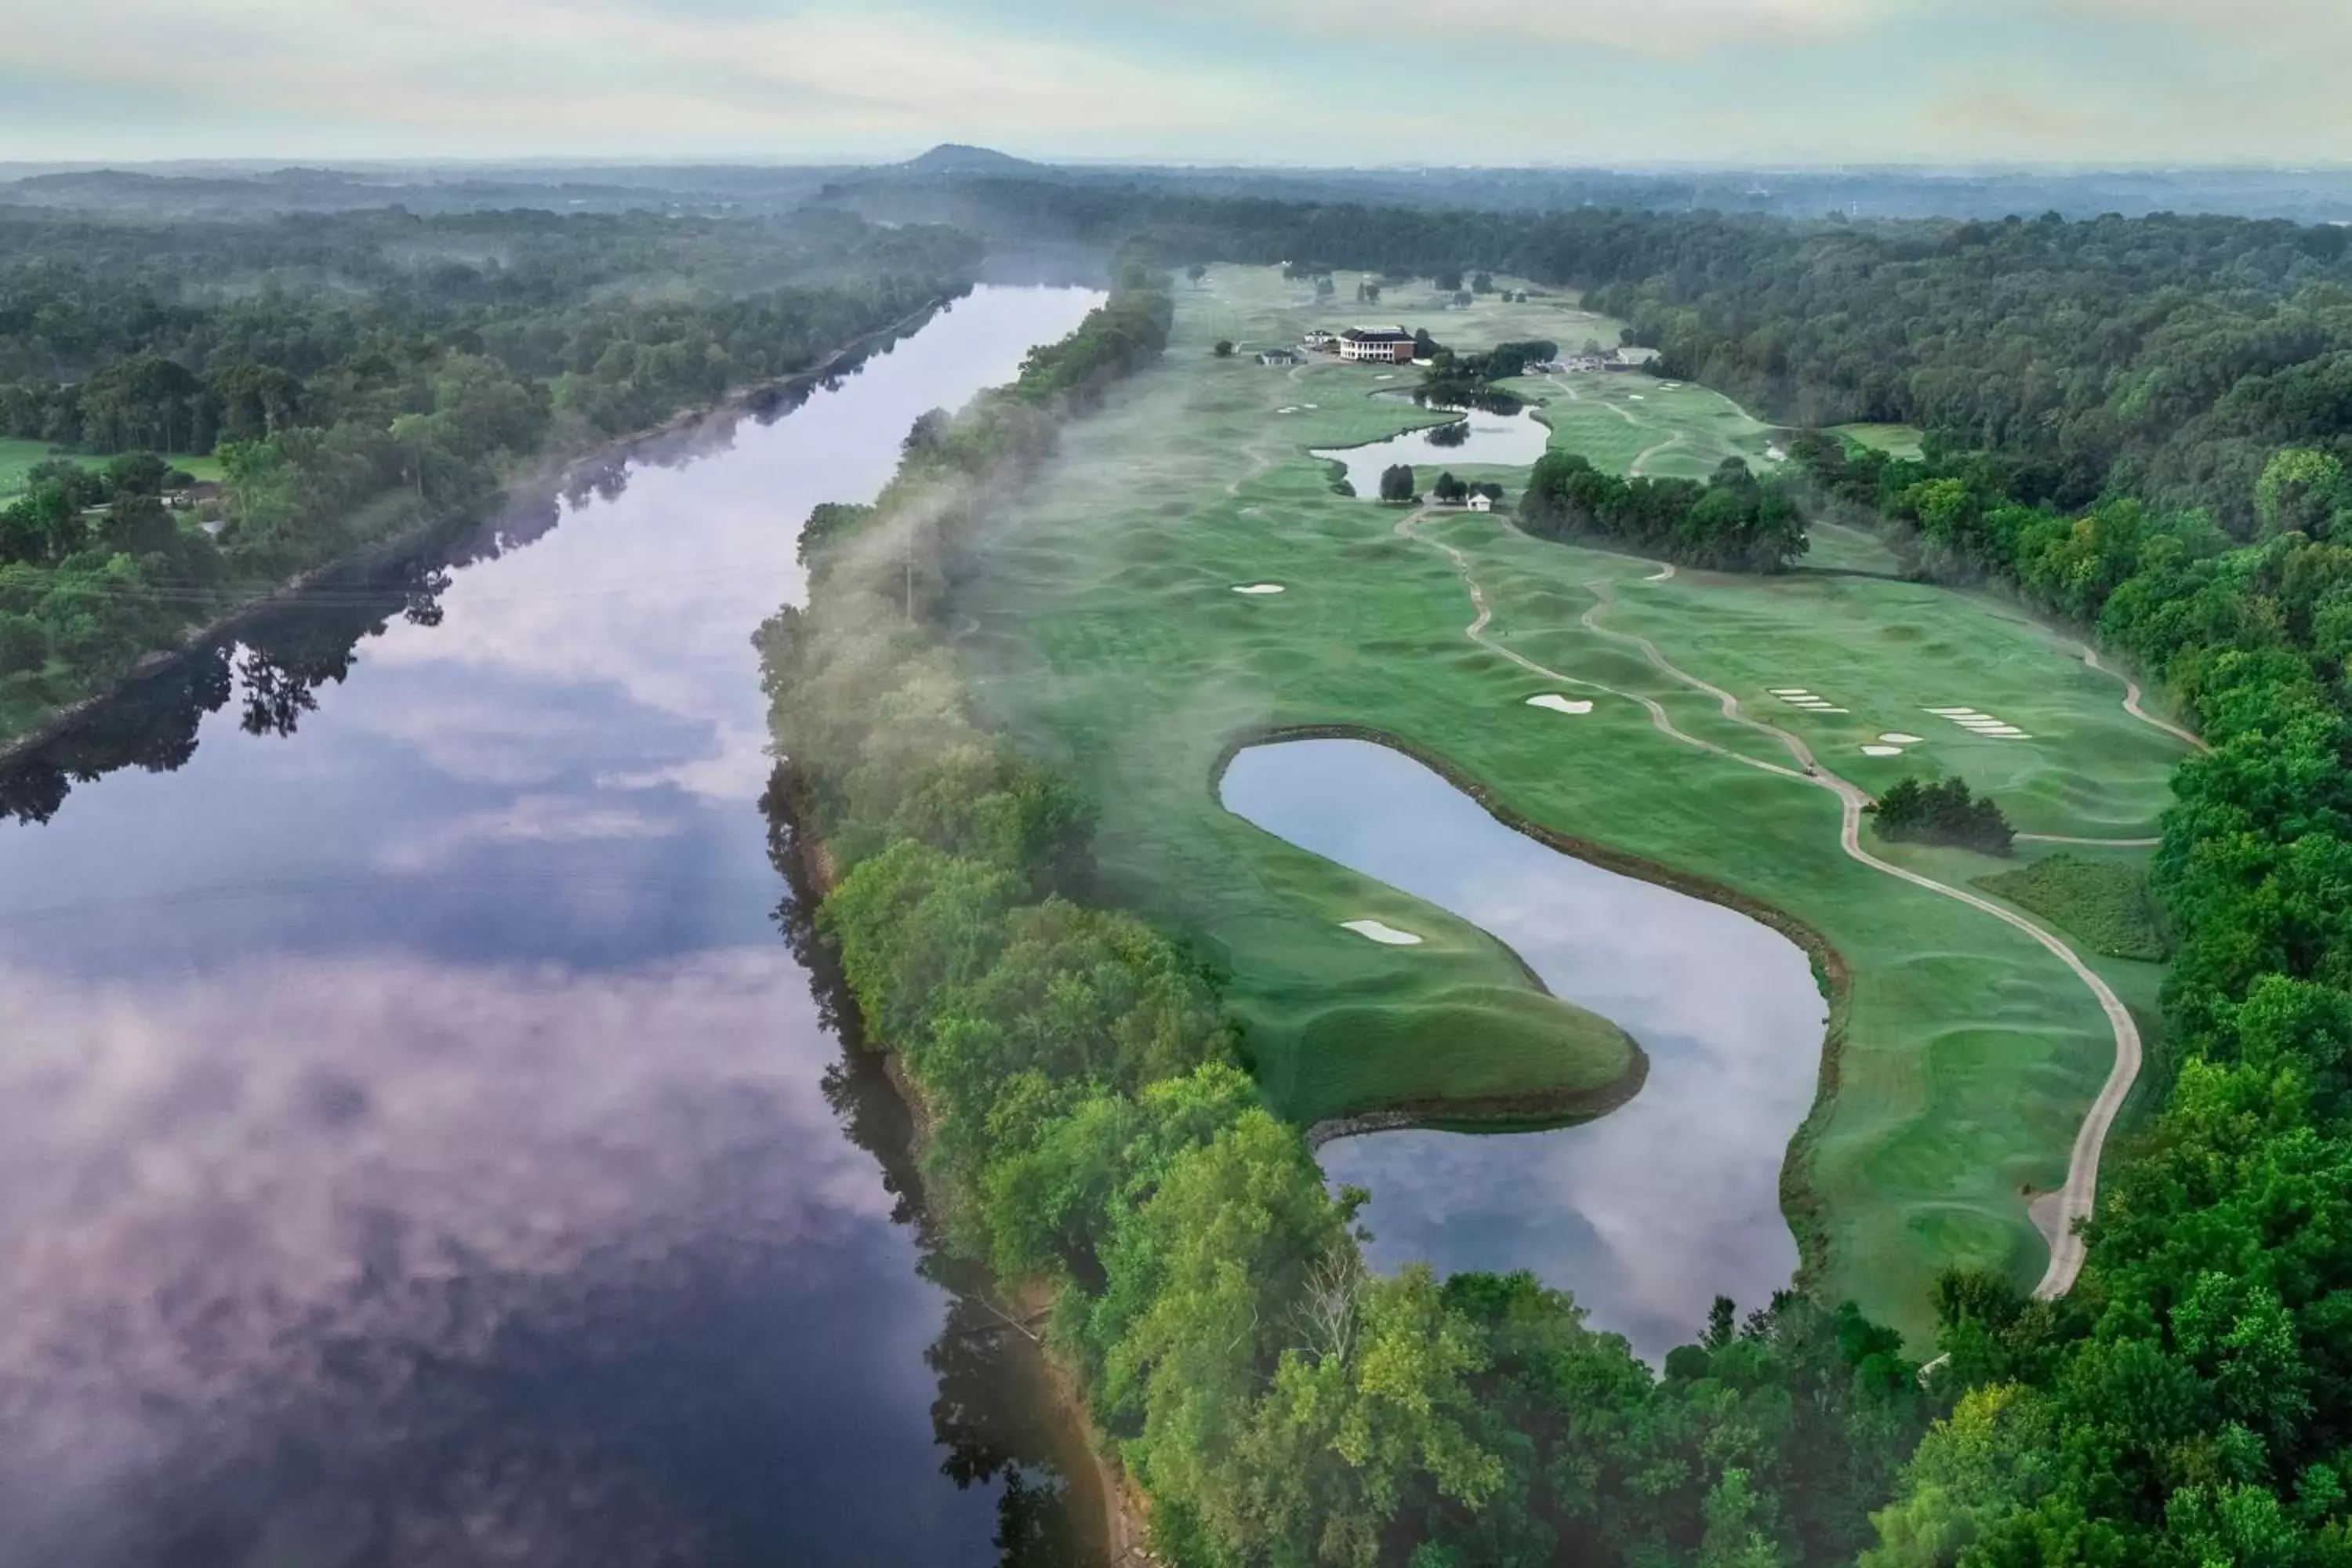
(1107, 632)
(18, 459)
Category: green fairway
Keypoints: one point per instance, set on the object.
(1894, 440)
(1632, 423)
(1107, 635)
(18, 459)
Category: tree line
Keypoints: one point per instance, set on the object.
(1091, 1129)
(1735, 521)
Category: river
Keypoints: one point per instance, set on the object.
(1649, 1213)
(420, 1144)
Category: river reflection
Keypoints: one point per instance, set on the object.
(415, 1146)
(1651, 1212)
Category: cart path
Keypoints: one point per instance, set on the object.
(2057, 1214)
(2131, 699)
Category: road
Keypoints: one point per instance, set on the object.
(2057, 1214)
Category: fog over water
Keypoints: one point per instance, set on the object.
(417, 1143)
(1649, 1212)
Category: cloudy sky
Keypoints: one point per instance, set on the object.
(1362, 81)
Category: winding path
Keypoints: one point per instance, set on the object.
(2057, 1214)
(2132, 696)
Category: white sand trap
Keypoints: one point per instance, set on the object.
(1286, 411)
(1310, 406)
(1980, 723)
(1791, 691)
(1386, 935)
(1384, 378)
(1560, 704)
(1637, 398)
(1259, 588)
(1829, 710)
(1882, 750)
(1897, 738)
(2005, 732)
(1952, 712)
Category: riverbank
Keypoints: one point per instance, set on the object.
(1119, 1511)
(545, 476)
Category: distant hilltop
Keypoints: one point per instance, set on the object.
(953, 158)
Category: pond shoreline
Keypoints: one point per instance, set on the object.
(1800, 1203)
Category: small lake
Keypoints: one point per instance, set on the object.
(1650, 1213)
(1500, 440)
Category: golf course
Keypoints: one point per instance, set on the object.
(1185, 579)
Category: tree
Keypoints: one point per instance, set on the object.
(1944, 812)
(1449, 490)
(1325, 289)
(2303, 491)
(1484, 283)
(1449, 281)
(1197, 272)
(1396, 482)
(1223, 348)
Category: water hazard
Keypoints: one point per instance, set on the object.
(1649, 1213)
(419, 1145)
(1501, 440)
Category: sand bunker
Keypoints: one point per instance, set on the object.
(1560, 704)
(1286, 411)
(1882, 750)
(1897, 738)
(1791, 691)
(1951, 713)
(1386, 935)
(1259, 588)
(1637, 398)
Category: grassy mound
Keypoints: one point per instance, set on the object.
(2105, 902)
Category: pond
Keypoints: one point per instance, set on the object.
(1501, 440)
(421, 1144)
(1649, 1213)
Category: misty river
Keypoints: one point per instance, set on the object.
(422, 1145)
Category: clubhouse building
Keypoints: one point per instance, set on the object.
(1384, 346)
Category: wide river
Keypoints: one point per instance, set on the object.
(1649, 1213)
(418, 1143)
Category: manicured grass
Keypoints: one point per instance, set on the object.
(2105, 902)
(1108, 635)
(1894, 440)
(1628, 422)
(18, 459)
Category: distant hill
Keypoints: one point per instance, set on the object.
(953, 158)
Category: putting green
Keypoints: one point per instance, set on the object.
(1109, 636)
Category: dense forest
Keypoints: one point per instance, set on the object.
(356, 377)
(1091, 1131)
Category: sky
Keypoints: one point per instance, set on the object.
(1390, 82)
